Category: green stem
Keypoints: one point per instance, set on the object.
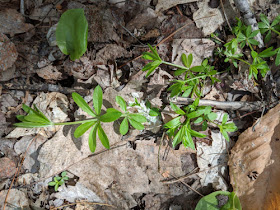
(275, 31)
(243, 61)
(250, 45)
(175, 65)
(76, 122)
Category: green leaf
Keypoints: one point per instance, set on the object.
(52, 183)
(178, 138)
(204, 125)
(72, 32)
(267, 53)
(225, 118)
(254, 33)
(103, 137)
(179, 72)
(210, 202)
(40, 113)
(195, 114)
(225, 134)
(35, 118)
(177, 109)
(154, 51)
(197, 68)
(97, 99)
(277, 59)
(64, 173)
(56, 187)
(111, 115)
(81, 129)
(275, 21)
(173, 123)
(136, 124)
(267, 37)
(264, 19)
(197, 134)
(121, 103)
(149, 56)
(31, 125)
(188, 141)
(21, 118)
(190, 60)
(198, 120)
(138, 117)
(230, 127)
(124, 126)
(92, 138)
(82, 104)
(253, 41)
(212, 116)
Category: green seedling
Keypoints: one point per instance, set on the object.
(58, 181)
(72, 33)
(211, 202)
(267, 28)
(135, 120)
(35, 118)
(180, 128)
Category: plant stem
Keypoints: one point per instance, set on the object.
(275, 31)
(243, 61)
(250, 45)
(76, 122)
(175, 65)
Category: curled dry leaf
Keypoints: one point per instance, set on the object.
(255, 164)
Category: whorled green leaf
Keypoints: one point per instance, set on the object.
(72, 33)
(177, 109)
(97, 99)
(173, 123)
(135, 124)
(121, 103)
(81, 129)
(124, 126)
(138, 117)
(82, 104)
(52, 183)
(111, 115)
(225, 118)
(103, 137)
(92, 138)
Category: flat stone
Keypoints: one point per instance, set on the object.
(17, 200)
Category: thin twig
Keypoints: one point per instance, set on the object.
(225, 105)
(225, 15)
(6, 198)
(184, 183)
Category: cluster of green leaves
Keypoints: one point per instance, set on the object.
(35, 118)
(72, 33)
(211, 202)
(194, 78)
(58, 181)
(134, 119)
(244, 36)
(180, 128)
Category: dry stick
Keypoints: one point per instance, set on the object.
(179, 11)
(168, 37)
(188, 186)
(225, 105)
(6, 198)
(221, 2)
(82, 202)
(178, 179)
(249, 18)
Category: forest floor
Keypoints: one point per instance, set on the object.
(141, 170)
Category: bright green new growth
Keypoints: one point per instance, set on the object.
(210, 202)
(58, 181)
(180, 128)
(72, 33)
(35, 118)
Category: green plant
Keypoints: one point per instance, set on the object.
(72, 33)
(180, 128)
(58, 181)
(211, 202)
(194, 78)
(35, 118)
(266, 27)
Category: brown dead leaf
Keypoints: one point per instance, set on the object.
(8, 53)
(255, 164)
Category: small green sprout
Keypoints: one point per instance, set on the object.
(58, 181)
